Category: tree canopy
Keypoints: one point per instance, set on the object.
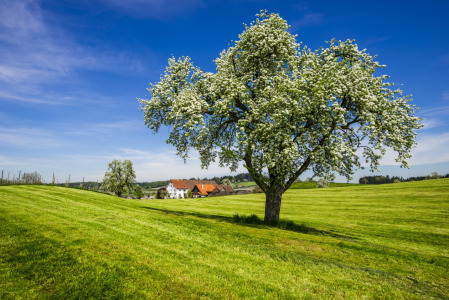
(282, 108)
(120, 177)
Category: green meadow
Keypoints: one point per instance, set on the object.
(362, 241)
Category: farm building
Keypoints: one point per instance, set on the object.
(177, 188)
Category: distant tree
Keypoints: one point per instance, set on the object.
(435, 175)
(226, 181)
(32, 178)
(120, 178)
(396, 180)
(323, 182)
(189, 194)
(161, 193)
(138, 192)
(283, 109)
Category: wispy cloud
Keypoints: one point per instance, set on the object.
(150, 165)
(435, 117)
(28, 137)
(310, 19)
(446, 96)
(36, 54)
(53, 135)
(156, 9)
(37, 98)
(300, 6)
(103, 129)
(375, 40)
(431, 149)
(435, 111)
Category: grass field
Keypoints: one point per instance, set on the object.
(312, 185)
(387, 241)
(244, 184)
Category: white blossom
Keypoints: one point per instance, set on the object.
(283, 109)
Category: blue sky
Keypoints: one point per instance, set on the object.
(70, 73)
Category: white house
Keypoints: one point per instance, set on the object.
(176, 188)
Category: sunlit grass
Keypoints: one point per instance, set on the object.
(388, 241)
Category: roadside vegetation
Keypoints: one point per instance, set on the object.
(363, 241)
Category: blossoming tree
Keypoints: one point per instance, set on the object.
(120, 178)
(282, 109)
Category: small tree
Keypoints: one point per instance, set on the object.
(226, 181)
(323, 182)
(161, 194)
(120, 178)
(32, 178)
(138, 192)
(282, 109)
(435, 175)
(364, 180)
(189, 194)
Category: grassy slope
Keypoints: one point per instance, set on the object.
(312, 185)
(373, 241)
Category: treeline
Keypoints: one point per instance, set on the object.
(393, 179)
(237, 178)
(152, 184)
(21, 178)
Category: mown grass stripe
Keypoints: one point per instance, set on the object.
(365, 244)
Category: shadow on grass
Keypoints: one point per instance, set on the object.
(254, 221)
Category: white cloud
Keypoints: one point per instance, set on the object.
(36, 54)
(431, 123)
(21, 16)
(160, 165)
(102, 128)
(9, 162)
(149, 165)
(446, 95)
(311, 19)
(156, 9)
(375, 40)
(434, 117)
(431, 149)
(28, 137)
(37, 98)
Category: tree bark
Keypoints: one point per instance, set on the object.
(272, 206)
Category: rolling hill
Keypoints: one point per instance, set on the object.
(385, 241)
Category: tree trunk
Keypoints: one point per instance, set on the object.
(272, 206)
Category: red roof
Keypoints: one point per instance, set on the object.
(179, 183)
(227, 188)
(191, 183)
(205, 189)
